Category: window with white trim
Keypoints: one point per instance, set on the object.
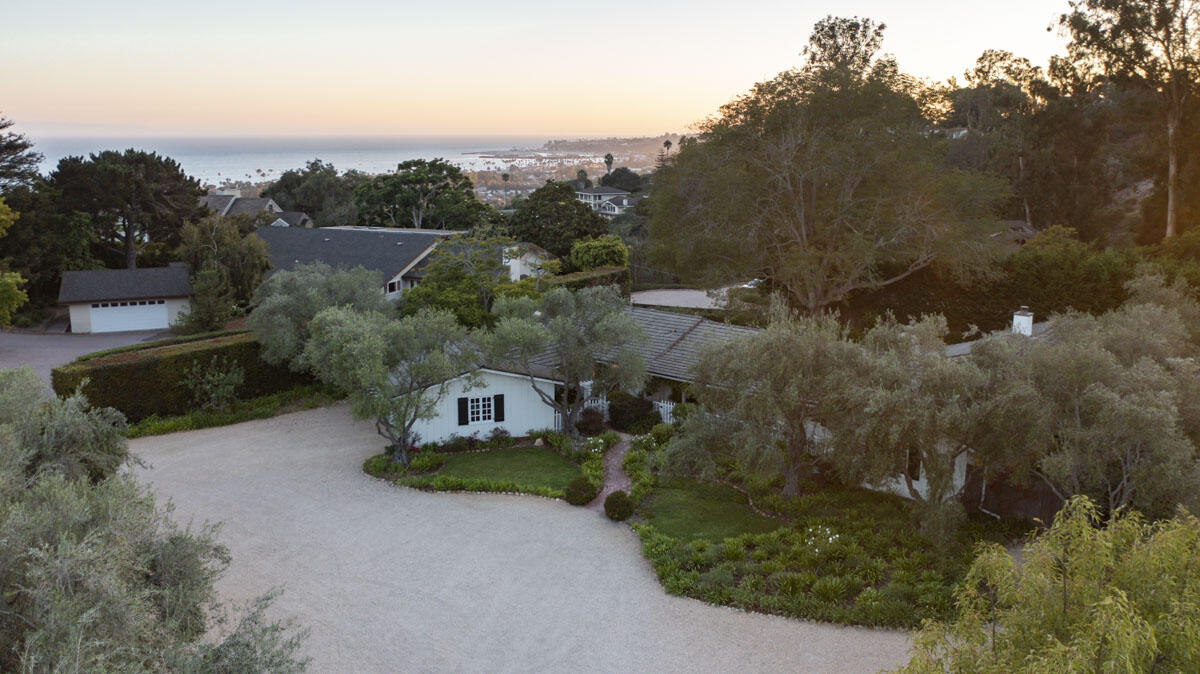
(479, 410)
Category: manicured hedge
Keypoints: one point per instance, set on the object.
(148, 381)
(600, 276)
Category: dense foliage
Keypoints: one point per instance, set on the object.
(318, 189)
(432, 194)
(93, 574)
(552, 218)
(149, 380)
(1123, 596)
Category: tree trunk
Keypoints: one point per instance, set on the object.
(1173, 116)
(400, 453)
(130, 249)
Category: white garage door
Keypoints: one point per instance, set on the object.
(131, 315)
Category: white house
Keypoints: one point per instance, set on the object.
(122, 300)
(502, 400)
(594, 197)
(525, 260)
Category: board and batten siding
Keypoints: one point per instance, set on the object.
(523, 410)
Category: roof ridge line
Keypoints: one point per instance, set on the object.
(672, 345)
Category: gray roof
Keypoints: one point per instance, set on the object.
(387, 251)
(217, 203)
(104, 285)
(295, 218)
(675, 340)
(1040, 330)
(249, 205)
(601, 190)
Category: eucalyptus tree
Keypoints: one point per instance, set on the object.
(1154, 44)
(824, 180)
(421, 193)
(395, 371)
(572, 337)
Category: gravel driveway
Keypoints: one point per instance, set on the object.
(45, 352)
(393, 579)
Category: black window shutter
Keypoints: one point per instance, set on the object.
(498, 407)
(462, 411)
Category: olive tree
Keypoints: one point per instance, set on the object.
(572, 337)
(761, 399)
(286, 303)
(396, 371)
(94, 576)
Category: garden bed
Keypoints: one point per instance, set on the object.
(843, 555)
(528, 470)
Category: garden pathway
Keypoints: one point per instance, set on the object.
(615, 478)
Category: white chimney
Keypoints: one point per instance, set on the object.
(1023, 322)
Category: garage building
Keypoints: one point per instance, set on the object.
(122, 300)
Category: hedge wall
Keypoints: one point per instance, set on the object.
(147, 381)
(600, 276)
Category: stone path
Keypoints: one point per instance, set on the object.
(615, 478)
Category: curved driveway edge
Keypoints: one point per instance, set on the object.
(394, 579)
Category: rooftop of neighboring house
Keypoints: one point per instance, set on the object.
(295, 218)
(602, 190)
(105, 285)
(232, 204)
(388, 251)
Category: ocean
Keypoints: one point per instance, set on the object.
(213, 160)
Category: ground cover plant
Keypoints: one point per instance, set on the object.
(838, 554)
(531, 470)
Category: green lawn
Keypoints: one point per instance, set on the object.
(688, 509)
(527, 466)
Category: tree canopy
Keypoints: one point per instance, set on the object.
(395, 370)
(1123, 596)
(623, 179)
(576, 330)
(18, 161)
(133, 199)
(286, 303)
(431, 194)
(552, 218)
(318, 189)
(824, 181)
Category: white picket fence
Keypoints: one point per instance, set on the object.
(666, 410)
(594, 402)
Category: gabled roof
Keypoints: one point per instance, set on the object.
(675, 340)
(388, 251)
(294, 218)
(217, 203)
(104, 285)
(251, 205)
(1040, 331)
(601, 190)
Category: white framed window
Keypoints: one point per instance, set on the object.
(479, 410)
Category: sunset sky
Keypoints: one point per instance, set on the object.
(137, 67)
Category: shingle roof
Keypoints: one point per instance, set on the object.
(248, 205)
(675, 340)
(387, 251)
(102, 285)
(217, 203)
(1040, 331)
(294, 218)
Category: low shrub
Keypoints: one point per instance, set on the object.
(378, 465)
(451, 483)
(147, 381)
(580, 491)
(632, 414)
(591, 422)
(662, 433)
(499, 438)
(425, 462)
(617, 506)
(262, 407)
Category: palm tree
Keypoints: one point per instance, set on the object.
(505, 177)
(608, 162)
(667, 145)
